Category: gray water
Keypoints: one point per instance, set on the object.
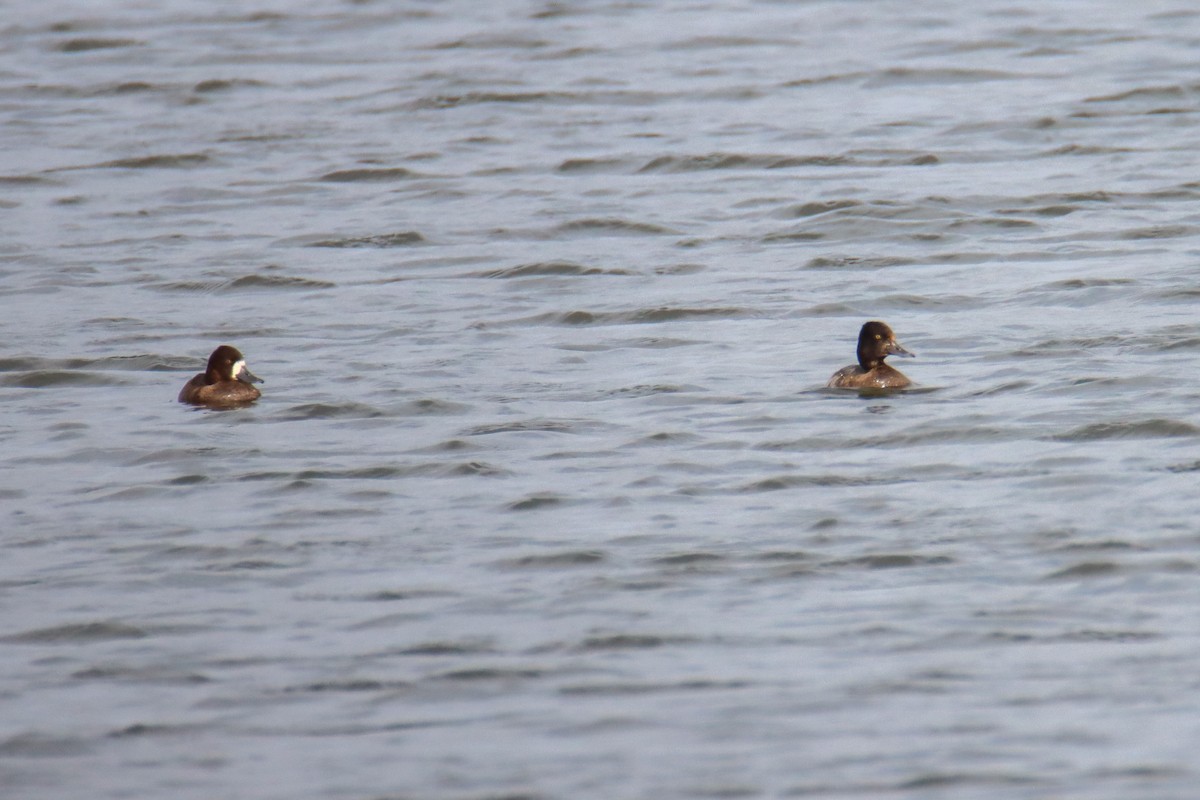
(544, 497)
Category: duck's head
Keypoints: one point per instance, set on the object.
(876, 341)
(226, 364)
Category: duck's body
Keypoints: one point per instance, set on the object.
(225, 384)
(875, 343)
(881, 377)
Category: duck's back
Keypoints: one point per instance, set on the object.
(223, 394)
(880, 377)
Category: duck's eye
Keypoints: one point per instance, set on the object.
(877, 337)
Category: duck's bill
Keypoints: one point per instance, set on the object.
(894, 348)
(246, 376)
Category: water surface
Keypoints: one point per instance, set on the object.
(544, 497)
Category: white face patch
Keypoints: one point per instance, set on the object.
(238, 366)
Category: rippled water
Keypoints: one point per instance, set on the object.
(544, 497)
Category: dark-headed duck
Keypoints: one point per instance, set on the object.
(225, 384)
(875, 343)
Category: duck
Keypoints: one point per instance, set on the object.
(226, 383)
(876, 341)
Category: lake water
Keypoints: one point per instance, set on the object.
(544, 497)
